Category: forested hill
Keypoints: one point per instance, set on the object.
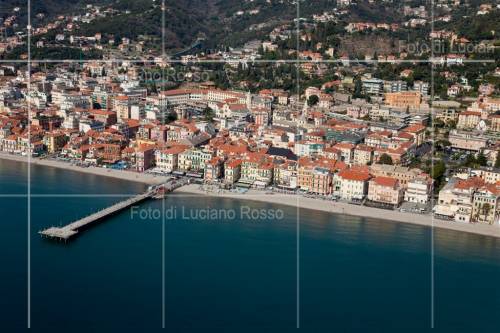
(231, 22)
(185, 19)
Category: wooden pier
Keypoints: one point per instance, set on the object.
(70, 230)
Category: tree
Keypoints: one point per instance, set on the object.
(172, 116)
(208, 114)
(439, 123)
(497, 163)
(438, 170)
(451, 124)
(486, 210)
(481, 159)
(442, 144)
(313, 100)
(470, 161)
(385, 159)
(415, 162)
(358, 89)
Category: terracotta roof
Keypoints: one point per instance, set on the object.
(145, 147)
(473, 182)
(233, 163)
(385, 181)
(176, 92)
(233, 149)
(404, 135)
(494, 188)
(349, 174)
(214, 160)
(102, 112)
(331, 150)
(344, 145)
(470, 113)
(414, 128)
(364, 147)
(174, 150)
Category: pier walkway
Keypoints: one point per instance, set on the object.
(66, 232)
(70, 230)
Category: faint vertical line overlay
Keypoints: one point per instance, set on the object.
(29, 175)
(163, 263)
(163, 29)
(298, 197)
(433, 138)
(163, 220)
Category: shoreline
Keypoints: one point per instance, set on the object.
(348, 209)
(117, 174)
(276, 198)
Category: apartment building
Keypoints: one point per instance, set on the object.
(467, 141)
(214, 169)
(167, 160)
(285, 175)
(194, 159)
(363, 155)
(232, 171)
(401, 173)
(404, 99)
(385, 190)
(257, 169)
(418, 190)
(468, 119)
(486, 204)
(353, 184)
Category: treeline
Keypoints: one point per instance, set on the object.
(53, 53)
(473, 27)
(144, 17)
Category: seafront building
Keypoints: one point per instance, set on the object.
(418, 190)
(385, 190)
(359, 150)
(471, 197)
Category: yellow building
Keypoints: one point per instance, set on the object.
(257, 169)
(363, 154)
(468, 119)
(54, 141)
(168, 159)
(402, 174)
(486, 204)
(285, 174)
(404, 99)
(495, 123)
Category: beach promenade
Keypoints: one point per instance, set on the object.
(119, 174)
(348, 209)
(277, 198)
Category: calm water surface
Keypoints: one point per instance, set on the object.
(355, 274)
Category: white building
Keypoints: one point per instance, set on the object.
(373, 86)
(353, 185)
(418, 190)
(87, 125)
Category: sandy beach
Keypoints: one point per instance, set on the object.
(349, 209)
(120, 174)
(277, 198)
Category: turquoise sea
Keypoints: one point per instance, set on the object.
(232, 274)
